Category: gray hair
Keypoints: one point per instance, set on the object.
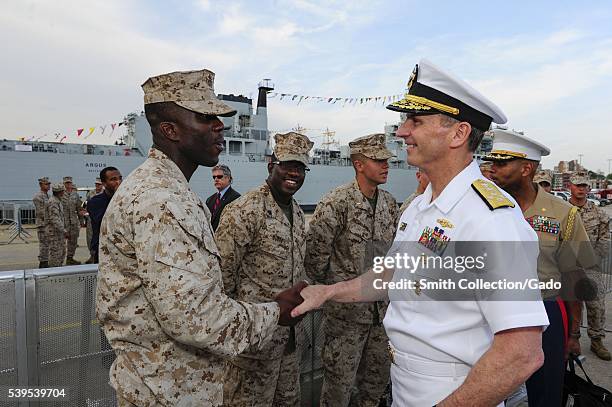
(475, 136)
(223, 168)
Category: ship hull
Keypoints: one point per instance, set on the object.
(19, 172)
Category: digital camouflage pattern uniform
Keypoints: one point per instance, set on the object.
(597, 225)
(407, 202)
(542, 176)
(345, 234)
(40, 202)
(72, 205)
(262, 253)
(160, 293)
(56, 229)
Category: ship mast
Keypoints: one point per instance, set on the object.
(329, 140)
(130, 135)
(264, 86)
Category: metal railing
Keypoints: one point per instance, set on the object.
(50, 337)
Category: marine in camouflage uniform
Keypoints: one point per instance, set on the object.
(543, 179)
(485, 169)
(422, 181)
(597, 225)
(40, 201)
(160, 293)
(73, 218)
(408, 201)
(262, 242)
(56, 227)
(352, 224)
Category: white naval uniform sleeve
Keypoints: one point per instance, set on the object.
(515, 260)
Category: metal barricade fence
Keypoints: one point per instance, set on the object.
(11, 335)
(7, 213)
(50, 337)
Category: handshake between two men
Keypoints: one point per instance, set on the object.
(287, 301)
(296, 301)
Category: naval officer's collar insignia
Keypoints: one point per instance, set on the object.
(491, 194)
(402, 226)
(445, 223)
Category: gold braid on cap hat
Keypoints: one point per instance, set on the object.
(508, 153)
(421, 103)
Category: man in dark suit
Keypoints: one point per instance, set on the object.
(222, 178)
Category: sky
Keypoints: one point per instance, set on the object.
(73, 64)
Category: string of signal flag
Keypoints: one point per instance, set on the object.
(82, 133)
(335, 100)
(86, 132)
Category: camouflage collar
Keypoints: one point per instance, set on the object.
(170, 167)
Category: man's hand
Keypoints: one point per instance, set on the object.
(314, 297)
(287, 300)
(573, 346)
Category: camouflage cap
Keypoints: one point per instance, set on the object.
(292, 147)
(98, 180)
(67, 179)
(58, 187)
(578, 179)
(372, 146)
(542, 176)
(44, 180)
(193, 90)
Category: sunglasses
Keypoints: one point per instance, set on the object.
(218, 176)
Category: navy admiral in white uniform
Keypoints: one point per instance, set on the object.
(452, 353)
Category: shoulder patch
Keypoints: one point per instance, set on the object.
(491, 195)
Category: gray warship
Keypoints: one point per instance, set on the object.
(247, 150)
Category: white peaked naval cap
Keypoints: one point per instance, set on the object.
(432, 91)
(508, 145)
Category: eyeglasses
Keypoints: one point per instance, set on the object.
(218, 176)
(292, 166)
